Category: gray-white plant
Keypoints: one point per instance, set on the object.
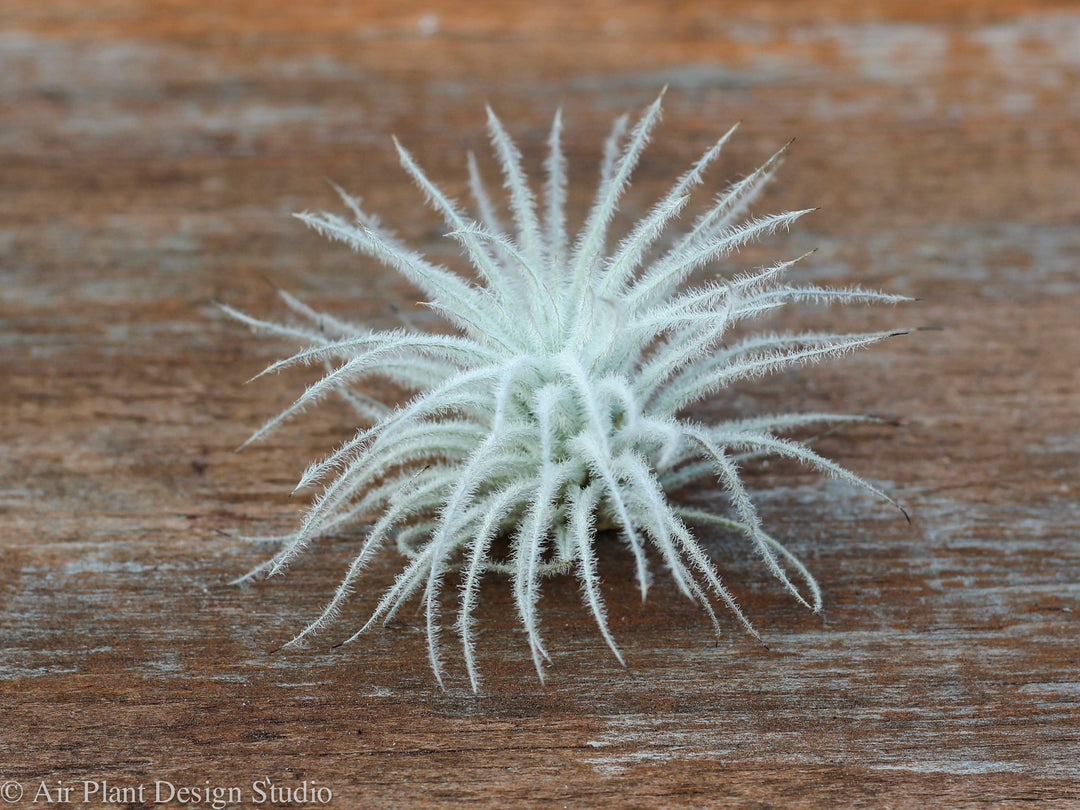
(557, 406)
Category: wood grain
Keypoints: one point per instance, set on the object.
(149, 157)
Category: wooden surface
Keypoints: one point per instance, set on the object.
(148, 162)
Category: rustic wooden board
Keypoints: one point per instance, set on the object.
(148, 161)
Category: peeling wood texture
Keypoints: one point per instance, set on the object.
(149, 157)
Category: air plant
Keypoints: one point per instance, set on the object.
(556, 408)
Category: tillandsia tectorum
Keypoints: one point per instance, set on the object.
(556, 407)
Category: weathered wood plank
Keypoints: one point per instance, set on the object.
(148, 161)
